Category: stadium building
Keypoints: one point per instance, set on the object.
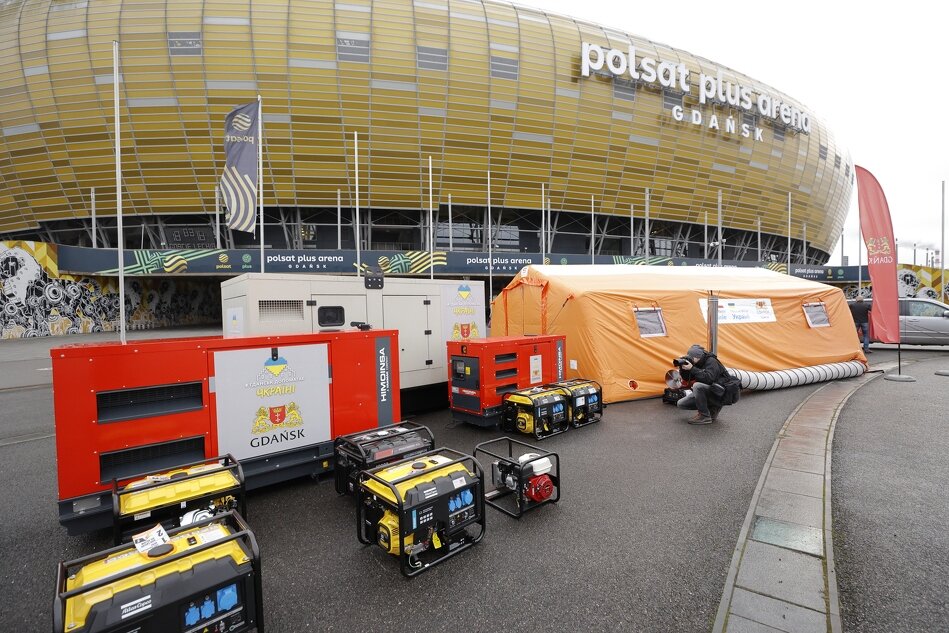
(475, 114)
(592, 113)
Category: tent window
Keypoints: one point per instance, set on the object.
(650, 322)
(816, 314)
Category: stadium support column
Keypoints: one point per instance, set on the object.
(759, 239)
(721, 241)
(942, 247)
(646, 229)
(543, 196)
(94, 229)
(592, 228)
(451, 230)
(804, 246)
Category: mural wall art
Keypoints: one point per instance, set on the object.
(36, 300)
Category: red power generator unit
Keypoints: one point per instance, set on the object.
(275, 403)
(482, 370)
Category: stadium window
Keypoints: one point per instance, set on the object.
(778, 133)
(837, 161)
(184, 43)
(354, 47)
(822, 152)
(671, 99)
(749, 119)
(504, 68)
(847, 170)
(625, 90)
(431, 58)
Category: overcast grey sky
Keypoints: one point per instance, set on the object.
(873, 72)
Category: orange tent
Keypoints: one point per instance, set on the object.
(624, 324)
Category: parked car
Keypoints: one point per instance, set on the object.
(923, 321)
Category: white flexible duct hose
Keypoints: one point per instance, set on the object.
(767, 380)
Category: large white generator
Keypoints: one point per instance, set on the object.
(427, 313)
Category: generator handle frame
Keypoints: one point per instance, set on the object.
(226, 461)
(399, 504)
(243, 533)
(347, 440)
(345, 444)
(541, 453)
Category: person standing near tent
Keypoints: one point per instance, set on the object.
(705, 369)
(860, 310)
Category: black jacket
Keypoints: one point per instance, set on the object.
(708, 370)
(860, 311)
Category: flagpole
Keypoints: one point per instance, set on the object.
(260, 174)
(451, 241)
(431, 228)
(942, 246)
(358, 256)
(118, 188)
(339, 220)
(217, 216)
(490, 254)
(789, 233)
(860, 255)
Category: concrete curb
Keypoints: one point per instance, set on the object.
(782, 575)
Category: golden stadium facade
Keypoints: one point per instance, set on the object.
(477, 86)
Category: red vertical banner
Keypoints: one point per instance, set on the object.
(881, 257)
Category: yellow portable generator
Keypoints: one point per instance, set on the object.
(540, 411)
(584, 400)
(206, 577)
(182, 495)
(424, 509)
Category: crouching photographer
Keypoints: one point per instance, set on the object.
(709, 379)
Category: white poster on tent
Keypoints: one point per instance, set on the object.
(741, 311)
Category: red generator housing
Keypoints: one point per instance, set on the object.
(275, 403)
(482, 370)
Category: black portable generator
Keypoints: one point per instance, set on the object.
(369, 449)
(424, 509)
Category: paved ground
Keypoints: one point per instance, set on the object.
(641, 540)
(891, 504)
